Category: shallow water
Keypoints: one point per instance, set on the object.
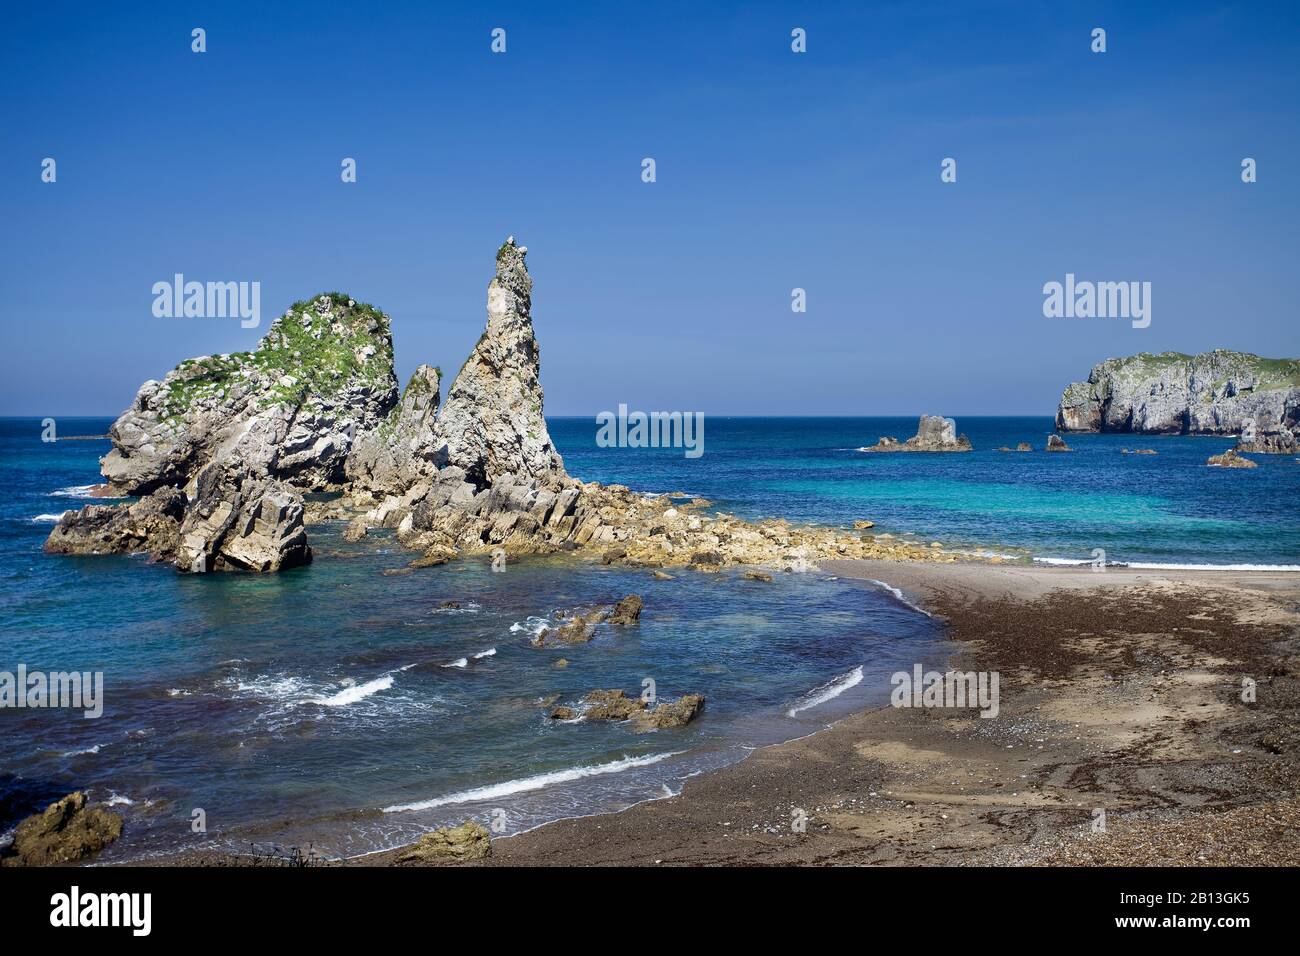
(338, 707)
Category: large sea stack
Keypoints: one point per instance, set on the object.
(1214, 393)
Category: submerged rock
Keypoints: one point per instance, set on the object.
(1213, 393)
(934, 433)
(66, 832)
(469, 841)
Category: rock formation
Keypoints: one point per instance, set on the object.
(1214, 393)
(1229, 459)
(934, 433)
(469, 841)
(67, 831)
(1057, 443)
(289, 409)
(152, 524)
(400, 451)
(224, 446)
(618, 706)
(315, 408)
(492, 424)
(238, 521)
(1268, 440)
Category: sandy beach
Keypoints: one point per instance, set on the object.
(1122, 738)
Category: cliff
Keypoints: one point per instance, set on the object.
(1214, 393)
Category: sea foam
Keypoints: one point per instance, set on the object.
(538, 782)
(820, 695)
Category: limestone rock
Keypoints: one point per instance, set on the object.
(933, 433)
(574, 628)
(1024, 446)
(1270, 440)
(1230, 459)
(151, 524)
(627, 610)
(612, 705)
(238, 521)
(67, 831)
(492, 425)
(401, 450)
(469, 841)
(1057, 443)
(672, 713)
(1213, 393)
(290, 408)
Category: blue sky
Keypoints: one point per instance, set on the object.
(775, 170)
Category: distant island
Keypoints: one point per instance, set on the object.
(1214, 393)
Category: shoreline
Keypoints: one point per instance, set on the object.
(1137, 720)
(925, 787)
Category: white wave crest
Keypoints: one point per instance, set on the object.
(52, 519)
(538, 782)
(75, 491)
(350, 695)
(902, 599)
(830, 691)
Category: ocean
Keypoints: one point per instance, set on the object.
(338, 708)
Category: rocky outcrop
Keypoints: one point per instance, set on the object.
(239, 521)
(612, 705)
(934, 433)
(1214, 393)
(492, 425)
(401, 450)
(290, 408)
(616, 705)
(1229, 459)
(671, 713)
(1057, 443)
(469, 841)
(67, 831)
(1277, 440)
(627, 611)
(579, 627)
(151, 524)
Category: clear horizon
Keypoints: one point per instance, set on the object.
(775, 171)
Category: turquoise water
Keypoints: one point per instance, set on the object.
(1166, 508)
(337, 706)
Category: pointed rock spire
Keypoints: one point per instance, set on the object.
(492, 424)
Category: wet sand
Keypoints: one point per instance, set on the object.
(1122, 738)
